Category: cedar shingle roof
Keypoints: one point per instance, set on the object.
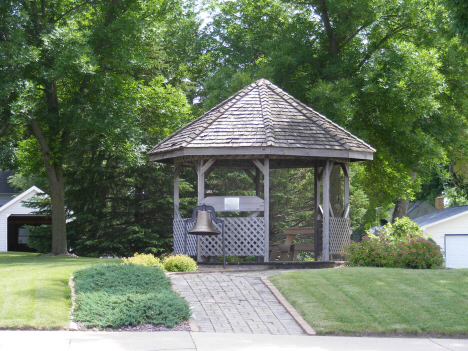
(262, 118)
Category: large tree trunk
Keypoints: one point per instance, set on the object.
(57, 193)
(401, 207)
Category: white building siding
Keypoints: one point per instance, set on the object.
(458, 225)
(14, 207)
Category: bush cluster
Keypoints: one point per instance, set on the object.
(116, 295)
(398, 245)
(179, 263)
(412, 253)
(144, 260)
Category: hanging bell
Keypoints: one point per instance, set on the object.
(204, 225)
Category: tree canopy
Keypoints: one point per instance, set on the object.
(87, 86)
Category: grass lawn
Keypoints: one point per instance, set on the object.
(34, 292)
(379, 300)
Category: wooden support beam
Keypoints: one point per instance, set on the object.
(266, 197)
(320, 173)
(326, 211)
(250, 174)
(176, 191)
(257, 182)
(260, 166)
(345, 212)
(207, 165)
(346, 190)
(209, 171)
(345, 168)
(321, 211)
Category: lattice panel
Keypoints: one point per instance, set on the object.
(245, 236)
(179, 232)
(340, 234)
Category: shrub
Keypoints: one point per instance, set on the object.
(372, 253)
(403, 229)
(179, 263)
(116, 295)
(144, 260)
(40, 238)
(415, 253)
(420, 253)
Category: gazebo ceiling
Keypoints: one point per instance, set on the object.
(258, 121)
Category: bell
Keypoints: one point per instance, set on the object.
(204, 225)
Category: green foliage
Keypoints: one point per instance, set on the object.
(179, 263)
(40, 238)
(390, 72)
(412, 253)
(118, 295)
(459, 15)
(420, 253)
(144, 260)
(403, 229)
(92, 78)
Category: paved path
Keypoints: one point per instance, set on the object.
(187, 341)
(236, 302)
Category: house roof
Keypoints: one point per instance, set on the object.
(5, 187)
(24, 195)
(440, 216)
(262, 119)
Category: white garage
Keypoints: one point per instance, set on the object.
(449, 229)
(456, 250)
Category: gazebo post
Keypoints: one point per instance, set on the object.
(316, 210)
(266, 198)
(201, 195)
(176, 191)
(326, 211)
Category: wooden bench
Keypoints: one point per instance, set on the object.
(288, 248)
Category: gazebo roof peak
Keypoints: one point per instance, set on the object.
(262, 119)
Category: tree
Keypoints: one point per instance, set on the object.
(71, 72)
(381, 69)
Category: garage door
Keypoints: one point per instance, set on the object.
(456, 250)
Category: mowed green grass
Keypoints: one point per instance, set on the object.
(379, 300)
(34, 291)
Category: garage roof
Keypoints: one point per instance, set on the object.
(440, 216)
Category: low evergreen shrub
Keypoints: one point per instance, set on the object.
(116, 295)
(144, 260)
(179, 263)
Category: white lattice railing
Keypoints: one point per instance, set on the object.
(245, 236)
(340, 234)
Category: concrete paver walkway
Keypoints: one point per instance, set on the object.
(237, 302)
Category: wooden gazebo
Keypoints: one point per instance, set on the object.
(259, 128)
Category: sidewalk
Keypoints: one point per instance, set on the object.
(184, 341)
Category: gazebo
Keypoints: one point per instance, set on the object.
(259, 128)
